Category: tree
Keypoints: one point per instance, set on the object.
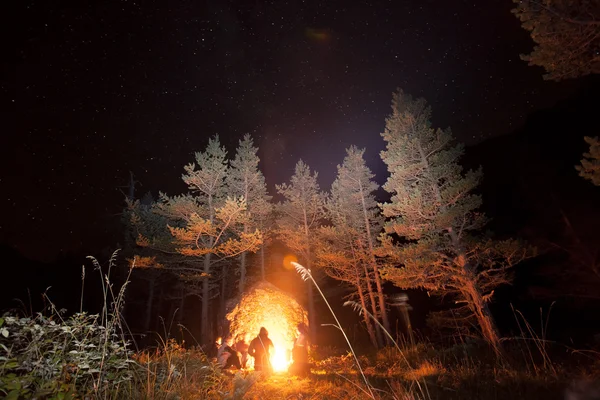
(352, 207)
(566, 33)
(246, 181)
(298, 218)
(339, 257)
(205, 224)
(590, 164)
(434, 210)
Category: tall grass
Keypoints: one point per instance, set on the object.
(56, 356)
(306, 275)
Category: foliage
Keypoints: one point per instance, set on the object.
(223, 236)
(298, 218)
(63, 359)
(49, 356)
(566, 33)
(302, 211)
(85, 357)
(590, 164)
(173, 372)
(206, 177)
(208, 223)
(60, 358)
(246, 181)
(355, 215)
(352, 195)
(434, 209)
(430, 195)
(307, 276)
(340, 258)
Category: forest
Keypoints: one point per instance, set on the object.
(225, 257)
(430, 269)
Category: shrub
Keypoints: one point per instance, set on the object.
(43, 357)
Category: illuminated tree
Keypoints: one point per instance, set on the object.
(205, 224)
(434, 210)
(298, 218)
(340, 257)
(566, 33)
(590, 164)
(247, 182)
(352, 208)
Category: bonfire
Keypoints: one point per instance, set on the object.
(267, 306)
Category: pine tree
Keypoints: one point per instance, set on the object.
(433, 208)
(247, 182)
(566, 33)
(205, 224)
(339, 256)
(590, 164)
(298, 218)
(352, 203)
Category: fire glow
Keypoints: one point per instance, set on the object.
(267, 306)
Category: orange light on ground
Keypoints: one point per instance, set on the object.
(267, 306)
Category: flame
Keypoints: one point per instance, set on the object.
(266, 306)
(280, 361)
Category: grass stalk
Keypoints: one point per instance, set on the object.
(306, 275)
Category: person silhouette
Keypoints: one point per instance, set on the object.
(260, 348)
(300, 366)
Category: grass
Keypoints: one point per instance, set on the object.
(88, 357)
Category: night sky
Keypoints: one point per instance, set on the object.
(97, 89)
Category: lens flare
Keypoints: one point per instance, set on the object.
(287, 261)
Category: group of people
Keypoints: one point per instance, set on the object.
(237, 354)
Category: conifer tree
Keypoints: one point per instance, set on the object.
(246, 181)
(434, 209)
(298, 218)
(353, 204)
(205, 224)
(339, 256)
(590, 164)
(566, 35)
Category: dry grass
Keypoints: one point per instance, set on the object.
(532, 368)
(459, 372)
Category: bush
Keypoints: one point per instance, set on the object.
(43, 357)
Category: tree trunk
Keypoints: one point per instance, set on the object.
(222, 299)
(181, 308)
(158, 309)
(311, 301)
(380, 339)
(407, 324)
(472, 294)
(483, 315)
(262, 261)
(312, 320)
(242, 282)
(368, 321)
(150, 299)
(204, 317)
(382, 308)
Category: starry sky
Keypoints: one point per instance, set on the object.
(97, 89)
